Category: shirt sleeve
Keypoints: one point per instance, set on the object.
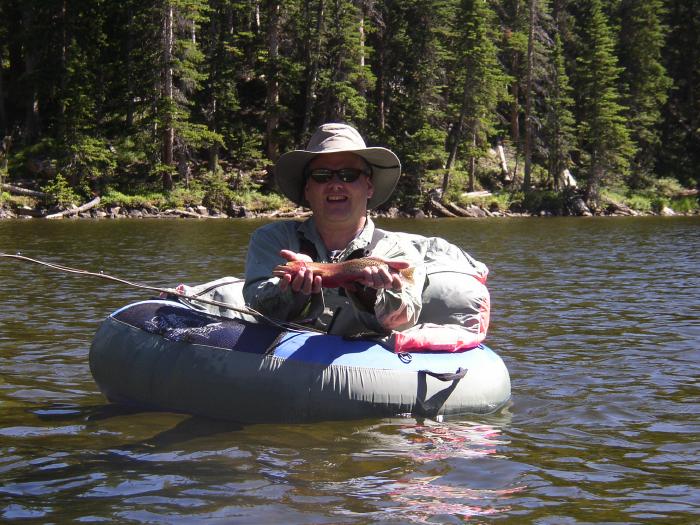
(395, 309)
(261, 291)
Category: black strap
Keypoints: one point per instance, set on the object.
(447, 376)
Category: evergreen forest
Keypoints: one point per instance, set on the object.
(185, 102)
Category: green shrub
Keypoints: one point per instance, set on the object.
(60, 192)
(217, 194)
(685, 204)
(667, 187)
(639, 203)
(544, 200)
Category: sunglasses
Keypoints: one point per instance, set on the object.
(323, 175)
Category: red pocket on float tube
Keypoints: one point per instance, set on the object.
(428, 337)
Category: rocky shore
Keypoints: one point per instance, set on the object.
(575, 206)
(201, 212)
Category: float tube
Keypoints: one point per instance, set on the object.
(165, 355)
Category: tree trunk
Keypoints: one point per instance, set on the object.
(314, 57)
(472, 160)
(456, 139)
(273, 95)
(94, 202)
(362, 87)
(381, 85)
(216, 29)
(31, 99)
(528, 95)
(3, 114)
(169, 130)
(130, 110)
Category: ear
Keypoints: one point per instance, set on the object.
(370, 188)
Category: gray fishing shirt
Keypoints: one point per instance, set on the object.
(343, 311)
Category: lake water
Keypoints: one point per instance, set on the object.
(598, 321)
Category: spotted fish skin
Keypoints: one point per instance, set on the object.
(339, 274)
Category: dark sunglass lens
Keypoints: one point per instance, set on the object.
(321, 176)
(349, 174)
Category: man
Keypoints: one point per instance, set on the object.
(340, 179)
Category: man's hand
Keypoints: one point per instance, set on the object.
(379, 277)
(179, 290)
(304, 280)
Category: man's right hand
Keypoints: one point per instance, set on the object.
(304, 280)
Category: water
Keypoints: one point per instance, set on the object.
(598, 321)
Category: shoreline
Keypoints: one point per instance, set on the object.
(201, 212)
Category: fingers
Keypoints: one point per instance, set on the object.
(179, 290)
(303, 281)
(294, 256)
(377, 277)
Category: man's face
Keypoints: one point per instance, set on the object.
(336, 201)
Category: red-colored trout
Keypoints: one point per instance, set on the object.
(343, 273)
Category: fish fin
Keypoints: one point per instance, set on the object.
(397, 265)
(350, 287)
(407, 275)
(282, 269)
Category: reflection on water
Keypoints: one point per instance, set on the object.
(597, 321)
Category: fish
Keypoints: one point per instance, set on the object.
(343, 274)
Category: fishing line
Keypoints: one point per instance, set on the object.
(168, 291)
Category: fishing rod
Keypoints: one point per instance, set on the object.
(286, 325)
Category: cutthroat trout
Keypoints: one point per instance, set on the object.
(343, 273)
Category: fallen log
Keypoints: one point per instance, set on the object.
(440, 210)
(456, 209)
(65, 213)
(481, 193)
(16, 190)
(290, 214)
(184, 213)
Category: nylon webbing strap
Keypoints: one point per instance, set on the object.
(447, 376)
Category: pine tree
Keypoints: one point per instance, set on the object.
(344, 77)
(680, 154)
(480, 85)
(604, 137)
(513, 15)
(411, 49)
(182, 74)
(559, 121)
(4, 55)
(535, 72)
(647, 84)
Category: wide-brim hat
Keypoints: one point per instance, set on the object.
(334, 138)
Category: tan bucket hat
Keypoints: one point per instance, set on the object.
(332, 138)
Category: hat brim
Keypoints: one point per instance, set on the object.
(386, 170)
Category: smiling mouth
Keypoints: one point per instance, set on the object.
(336, 198)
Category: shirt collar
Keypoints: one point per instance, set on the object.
(363, 239)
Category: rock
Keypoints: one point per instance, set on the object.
(202, 210)
(6, 214)
(475, 211)
(578, 207)
(667, 212)
(392, 212)
(136, 214)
